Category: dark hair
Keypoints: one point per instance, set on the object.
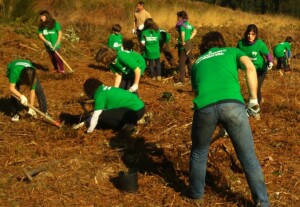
(183, 15)
(289, 39)
(106, 55)
(49, 23)
(210, 40)
(116, 28)
(141, 3)
(27, 76)
(251, 28)
(90, 86)
(150, 24)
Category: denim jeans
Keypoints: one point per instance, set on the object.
(157, 64)
(232, 116)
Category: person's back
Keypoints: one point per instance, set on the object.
(151, 39)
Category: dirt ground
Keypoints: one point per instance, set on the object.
(82, 170)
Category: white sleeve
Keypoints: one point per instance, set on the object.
(94, 121)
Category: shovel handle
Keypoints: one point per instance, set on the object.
(48, 118)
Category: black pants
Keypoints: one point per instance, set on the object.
(16, 106)
(282, 61)
(184, 59)
(261, 75)
(117, 118)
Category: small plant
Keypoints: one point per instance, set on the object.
(70, 35)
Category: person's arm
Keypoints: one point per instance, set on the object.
(251, 76)
(41, 36)
(94, 121)
(32, 97)
(118, 79)
(59, 38)
(193, 33)
(23, 99)
(137, 76)
(182, 37)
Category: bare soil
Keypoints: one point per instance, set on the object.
(82, 170)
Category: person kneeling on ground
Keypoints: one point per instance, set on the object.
(22, 72)
(128, 67)
(114, 108)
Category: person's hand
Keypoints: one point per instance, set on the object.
(253, 107)
(89, 131)
(134, 88)
(270, 65)
(32, 113)
(133, 31)
(78, 125)
(23, 100)
(49, 44)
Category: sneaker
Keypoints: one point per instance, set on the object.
(15, 118)
(62, 71)
(159, 78)
(194, 201)
(178, 84)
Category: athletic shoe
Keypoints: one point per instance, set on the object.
(62, 71)
(159, 78)
(194, 201)
(15, 118)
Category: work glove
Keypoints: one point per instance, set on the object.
(23, 100)
(253, 107)
(270, 65)
(134, 88)
(32, 113)
(49, 44)
(133, 31)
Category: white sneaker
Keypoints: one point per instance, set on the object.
(15, 118)
(257, 116)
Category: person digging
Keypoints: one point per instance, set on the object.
(114, 108)
(22, 72)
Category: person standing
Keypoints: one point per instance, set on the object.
(256, 50)
(50, 33)
(282, 52)
(22, 72)
(128, 67)
(115, 39)
(150, 41)
(218, 100)
(114, 108)
(186, 33)
(140, 16)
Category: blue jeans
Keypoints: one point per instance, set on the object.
(232, 116)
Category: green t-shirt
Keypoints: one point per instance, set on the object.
(107, 98)
(15, 68)
(51, 35)
(115, 41)
(151, 40)
(281, 49)
(126, 62)
(255, 52)
(188, 29)
(214, 77)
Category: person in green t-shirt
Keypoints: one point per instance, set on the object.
(150, 41)
(282, 52)
(50, 33)
(115, 39)
(128, 67)
(257, 51)
(218, 100)
(22, 72)
(114, 108)
(186, 33)
(164, 46)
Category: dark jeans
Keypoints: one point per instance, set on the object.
(184, 59)
(283, 61)
(56, 61)
(261, 75)
(117, 118)
(126, 82)
(16, 106)
(233, 117)
(157, 64)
